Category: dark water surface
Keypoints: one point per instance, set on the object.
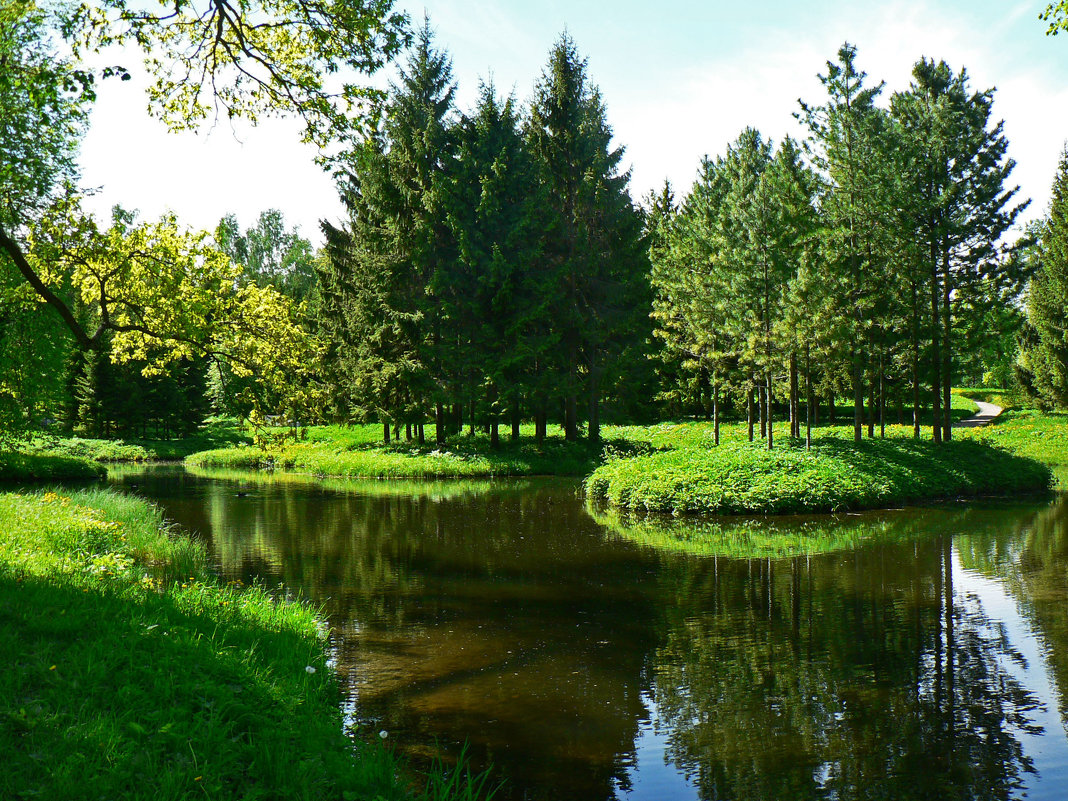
(930, 662)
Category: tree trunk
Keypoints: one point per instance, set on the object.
(715, 409)
(915, 344)
(882, 399)
(762, 402)
(541, 422)
(947, 352)
(571, 399)
(858, 395)
(795, 415)
(749, 413)
(936, 359)
(439, 423)
(594, 432)
(422, 434)
(808, 398)
(385, 432)
(871, 409)
(516, 419)
(771, 424)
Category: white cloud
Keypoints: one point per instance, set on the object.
(700, 109)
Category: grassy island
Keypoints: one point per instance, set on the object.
(357, 452)
(835, 475)
(137, 674)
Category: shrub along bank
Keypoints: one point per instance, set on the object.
(131, 672)
(835, 475)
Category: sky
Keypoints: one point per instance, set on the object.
(680, 80)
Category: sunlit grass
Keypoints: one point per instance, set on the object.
(132, 672)
(837, 474)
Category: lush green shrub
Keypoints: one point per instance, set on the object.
(22, 466)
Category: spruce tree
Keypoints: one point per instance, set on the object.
(1047, 311)
(594, 256)
(492, 295)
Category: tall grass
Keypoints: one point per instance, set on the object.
(22, 466)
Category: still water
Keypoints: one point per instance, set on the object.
(927, 660)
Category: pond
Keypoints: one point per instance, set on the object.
(929, 659)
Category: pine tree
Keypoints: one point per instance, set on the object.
(844, 144)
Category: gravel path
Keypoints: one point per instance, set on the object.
(986, 413)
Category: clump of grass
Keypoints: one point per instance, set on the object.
(131, 672)
(22, 466)
(743, 478)
(353, 453)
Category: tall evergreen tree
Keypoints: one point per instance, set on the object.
(1047, 311)
(844, 144)
(962, 204)
(595, 255)
(492, 296)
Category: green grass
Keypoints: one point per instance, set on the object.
(215, 433)
(744, 478)
(21, 466)
(1031, 433)
(357, 451)
(131, 672)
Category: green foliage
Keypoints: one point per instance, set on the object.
(832, 476)
(253, 59)
(20, 465)
(270, 254)
(1056, 14)
(1044, 359)
(136, 673)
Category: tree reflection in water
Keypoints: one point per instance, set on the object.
(859, 675)
(503, 613)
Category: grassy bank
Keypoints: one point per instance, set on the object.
(357, 452)
(20, 466)
(743, 478)
(216, 433)
(132, 673)
(1028, 432)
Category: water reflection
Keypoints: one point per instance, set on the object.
(927, 662)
